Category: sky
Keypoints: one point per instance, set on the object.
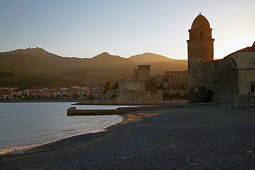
(86, 28)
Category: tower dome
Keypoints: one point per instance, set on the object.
(200, 22)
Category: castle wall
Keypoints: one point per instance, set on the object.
(144, 72)
(176, 79)
(136, 74)
(133, 85)
(156, 81)
(140, 96)
(138, 87)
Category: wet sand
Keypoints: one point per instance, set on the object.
(190, 137)
(136, 117)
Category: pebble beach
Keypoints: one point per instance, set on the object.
(190, 137)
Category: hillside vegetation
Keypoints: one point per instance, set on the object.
(37, 67)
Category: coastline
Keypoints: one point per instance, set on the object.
(134, 103)
(193, 137)
(19, 149)
(95, 102)
(36, 101)
(136, 115)
(126, 118)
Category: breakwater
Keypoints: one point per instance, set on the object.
(79, 112)
(93, 102)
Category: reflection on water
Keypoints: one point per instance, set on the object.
(25, 125)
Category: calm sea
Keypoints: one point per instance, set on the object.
(25, 125)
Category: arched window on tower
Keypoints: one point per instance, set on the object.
(201, 34)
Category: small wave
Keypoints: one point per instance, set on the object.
(21, 148)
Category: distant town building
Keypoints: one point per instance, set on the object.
(44, 93)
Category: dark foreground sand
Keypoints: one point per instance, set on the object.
(193, 137)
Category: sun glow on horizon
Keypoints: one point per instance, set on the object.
(85, 29)
(232, 45)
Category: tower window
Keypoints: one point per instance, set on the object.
(252, 87)
(201, 34)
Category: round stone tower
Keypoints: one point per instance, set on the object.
(200, 50)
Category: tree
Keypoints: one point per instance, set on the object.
(58, 96)
(63, 96)
(115, 86)
(107, 86)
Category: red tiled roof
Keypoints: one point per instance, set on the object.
(247, 49)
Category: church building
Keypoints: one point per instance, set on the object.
(229, 81)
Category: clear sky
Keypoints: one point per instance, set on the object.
(85, 28)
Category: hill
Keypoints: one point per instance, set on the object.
(159, 63)
(26, 64)
(148, 58)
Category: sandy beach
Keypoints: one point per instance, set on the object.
(189, 137)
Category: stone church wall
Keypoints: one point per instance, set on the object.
(227, 77)
(246, 80)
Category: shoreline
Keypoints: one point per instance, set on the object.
(37, 101)
(93, 102)
(26, 148)
(183, 137)
(132, 103)
(126, 119)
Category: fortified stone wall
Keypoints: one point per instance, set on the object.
(237, 100)
(138, 87)
(140, 96)
(130, 84)
(136, 75)
(156, 81)
(144, 72)
(176, 79)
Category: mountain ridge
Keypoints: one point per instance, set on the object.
(148, 58)
(90, 71)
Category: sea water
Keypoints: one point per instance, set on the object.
(25, 125)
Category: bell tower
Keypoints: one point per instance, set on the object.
(200, 50)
